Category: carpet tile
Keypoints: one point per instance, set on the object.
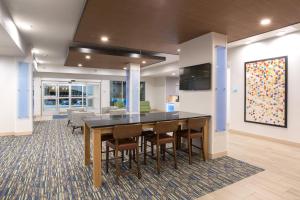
(49, 165)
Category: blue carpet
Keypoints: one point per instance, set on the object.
(49, 165)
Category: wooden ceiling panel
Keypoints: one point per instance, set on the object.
(160, 25)
(106, 61)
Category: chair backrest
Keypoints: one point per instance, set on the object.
(127, 131)
(165, 127)
(145, 106)
(196, 124)
(118, 112)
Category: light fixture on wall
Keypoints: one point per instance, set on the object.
(104, 39)
(24, 26)
(88, 57)
(265, 21)
(35, 51)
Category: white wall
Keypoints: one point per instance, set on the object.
(156, 92)
(288, 45)
(172, 86)
(198, 51)
(9, 122)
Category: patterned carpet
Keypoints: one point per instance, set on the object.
(49, 165)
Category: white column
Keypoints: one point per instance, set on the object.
(199, 51)
(133, 88)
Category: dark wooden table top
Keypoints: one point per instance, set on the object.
(103, 121)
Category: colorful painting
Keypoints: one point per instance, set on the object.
(266, 91)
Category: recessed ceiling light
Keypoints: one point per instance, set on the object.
(35, 51)
(144, 62)
(173, 74)
(79, 65)
(104, 39)
(178, 50)
(87, 57)
(24, 26)
(265, 21)
(124, 68)
(135, 55)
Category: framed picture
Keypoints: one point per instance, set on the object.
(266, 87)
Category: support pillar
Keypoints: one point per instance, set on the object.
(133, 88)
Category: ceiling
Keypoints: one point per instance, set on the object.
(53, 25)
(160, 25)
(107, 60)
(7, 45)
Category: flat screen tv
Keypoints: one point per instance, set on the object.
(197, 77)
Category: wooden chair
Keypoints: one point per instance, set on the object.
(126, 137)
(195, 127)
(161, 139)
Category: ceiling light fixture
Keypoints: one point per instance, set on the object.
(135, 55)
(35, 51)
(265, 21)
(124, 68)
(79, 65)
(173, 74)
(178, 50)
(144, 62)
(104, 39)
(24, 26)
(87, 57)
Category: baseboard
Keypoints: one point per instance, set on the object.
(253, 135)
(217, 155)
(16, 133)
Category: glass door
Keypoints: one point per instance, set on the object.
(63, 97)
(49, 98)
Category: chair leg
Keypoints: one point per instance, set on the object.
(142, 143)
(202, 149)
(190, 149)
(73, 129)
(145, 151)
(139, 175)
(117, 164)
(174, 154)
(130, 158)
(152, 151)
(163, 147)
(68, 122)
(122, 156)
(107, 157)
(157, 158)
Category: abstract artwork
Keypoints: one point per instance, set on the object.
(266, 91)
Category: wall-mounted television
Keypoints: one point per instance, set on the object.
(197, 77)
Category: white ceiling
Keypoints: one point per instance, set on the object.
(53, 25)
(7, 45)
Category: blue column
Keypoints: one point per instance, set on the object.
(133, 88)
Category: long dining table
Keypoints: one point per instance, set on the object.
(103, 124)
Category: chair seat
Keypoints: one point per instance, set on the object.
(163, 139)
(124, 144)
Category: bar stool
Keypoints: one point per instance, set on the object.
(160, 139)
(195, 127)
(125, 137)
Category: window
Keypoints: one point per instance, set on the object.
(60, 96)
(118, 93)
(142, 91)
